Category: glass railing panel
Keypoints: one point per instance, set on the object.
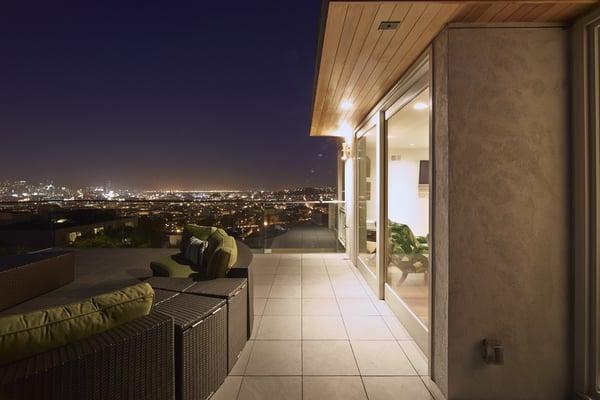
(264, 226)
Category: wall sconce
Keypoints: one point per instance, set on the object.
(345, 151)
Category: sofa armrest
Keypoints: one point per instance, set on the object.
(134, 360)
(243, 269)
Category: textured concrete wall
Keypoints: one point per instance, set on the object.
(505, 136)
(439, 223)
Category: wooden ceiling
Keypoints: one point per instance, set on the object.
(359, 63)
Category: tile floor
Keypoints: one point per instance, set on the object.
(319, 333)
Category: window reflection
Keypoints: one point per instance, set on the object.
(367, 199)
(407, 256)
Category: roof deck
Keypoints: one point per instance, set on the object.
(318, 333)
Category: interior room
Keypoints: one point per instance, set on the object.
(407, 273)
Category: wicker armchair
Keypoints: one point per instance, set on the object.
(133, 361)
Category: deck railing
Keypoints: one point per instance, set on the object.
(264, 225)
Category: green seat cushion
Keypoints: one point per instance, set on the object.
(199, 231)
(24, 335)
(175, 266)
(222, 258)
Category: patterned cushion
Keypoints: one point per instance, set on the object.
(195, 251)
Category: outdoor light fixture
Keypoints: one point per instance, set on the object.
(345, 151)
(346, 105)
(421, 106)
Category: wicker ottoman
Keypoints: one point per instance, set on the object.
(200, 344)
(160, 296)
(235, 291)
(172, 284)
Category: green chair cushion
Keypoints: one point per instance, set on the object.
(24, 335)
(219, 257)
(175, 266)
(199, 231)
(221, 254)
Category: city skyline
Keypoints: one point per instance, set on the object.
(27, 190)
(117, 91)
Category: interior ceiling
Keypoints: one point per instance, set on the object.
(359, 63)
(409, 127)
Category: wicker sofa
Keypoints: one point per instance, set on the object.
(132, 361)
(219, 257)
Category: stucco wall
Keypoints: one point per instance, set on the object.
(505, 136)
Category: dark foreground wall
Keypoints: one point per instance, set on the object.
(501, 217)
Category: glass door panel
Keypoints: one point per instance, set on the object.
(367, 199)
(407, 154)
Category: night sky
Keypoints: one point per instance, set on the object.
(161, 95)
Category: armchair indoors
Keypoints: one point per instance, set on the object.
(407, 252)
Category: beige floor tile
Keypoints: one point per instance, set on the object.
(357, 307)
(381, 358)
(271, 387)
(285, 292)
(333, 388)
(323, 328)
(240, 366)
(259, 306)
(283, 307)
(264, 269)
(350, 291)
(322, 307)
(315, 279)
(314, 270)
(317, 291)
(263, 279)
(275, 357)
(433, 388)
(290, 270)
(287, 279)
(312, 264)
(229, 389)
(398, 330)
(396, 387)
(367, 328)
(279, 328)
(256, 326)
(416, 356)
(261, 291)
(328, 358)
(383, 308)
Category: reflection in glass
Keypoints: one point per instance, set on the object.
(367, 199)
(408, 204)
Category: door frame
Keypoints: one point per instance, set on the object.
(417, 77)
(585, 37)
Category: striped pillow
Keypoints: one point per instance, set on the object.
(194, 252)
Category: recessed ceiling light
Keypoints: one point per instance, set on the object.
(389, 25)
(412, 145)
(421, 106)
(346, 105)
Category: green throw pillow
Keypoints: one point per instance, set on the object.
(24, 335)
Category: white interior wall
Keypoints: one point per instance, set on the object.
(405, 205)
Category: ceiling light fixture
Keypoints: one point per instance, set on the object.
(389, 25)
(421, 106)
(346, 105)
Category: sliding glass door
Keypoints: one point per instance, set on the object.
(367, 199)
(407, 169)
(392, 174)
